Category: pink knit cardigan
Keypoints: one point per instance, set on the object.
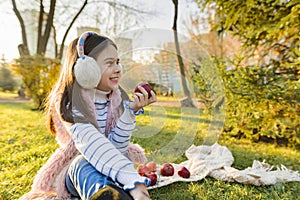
(49, 183)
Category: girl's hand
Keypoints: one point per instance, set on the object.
(141, 100)
(140, 192)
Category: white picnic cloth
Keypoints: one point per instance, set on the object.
(216, 160)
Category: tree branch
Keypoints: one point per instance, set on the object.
(120, 5)
(68, 29)
(55, 41)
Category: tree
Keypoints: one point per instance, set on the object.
(39, 72)
(187, 101)
(44, 28)
(263, 84)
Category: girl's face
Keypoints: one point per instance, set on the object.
(108, 61)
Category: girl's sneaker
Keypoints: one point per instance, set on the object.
(111, 192)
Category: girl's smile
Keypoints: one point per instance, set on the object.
(108, 61)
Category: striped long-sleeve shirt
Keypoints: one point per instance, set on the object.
(106, 154)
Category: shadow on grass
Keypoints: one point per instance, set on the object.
(245, 152)
(13, 105)
(192, 117)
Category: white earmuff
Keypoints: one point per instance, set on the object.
(86, 70)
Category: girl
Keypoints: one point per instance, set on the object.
(99, 136)
(99, 124)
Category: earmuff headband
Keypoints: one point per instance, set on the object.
(86, 70)
(81, 40)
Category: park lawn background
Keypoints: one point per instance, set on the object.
(25, 145)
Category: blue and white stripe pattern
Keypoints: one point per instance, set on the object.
(107, 154)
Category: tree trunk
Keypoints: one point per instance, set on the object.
(23, 48)
(40, 27)
(47, 31)
(187, 100)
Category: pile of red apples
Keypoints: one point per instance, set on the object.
(149, 170)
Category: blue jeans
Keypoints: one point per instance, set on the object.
(83, 180)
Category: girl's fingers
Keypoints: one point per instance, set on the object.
(153, 96)
(141, 97)
(136, 98)
(145, 93)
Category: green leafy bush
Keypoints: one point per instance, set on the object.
(38, 73)
(7, 81)
(262, 103)
(262, 106)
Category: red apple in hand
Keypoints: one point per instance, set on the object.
(152, 177)
(167, 170)
(184, 172)
(146, 86)
(143, 170)
(151, 166)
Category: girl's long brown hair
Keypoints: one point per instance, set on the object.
(60, 98)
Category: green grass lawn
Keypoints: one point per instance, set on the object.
(8, 95)
(25, 145)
